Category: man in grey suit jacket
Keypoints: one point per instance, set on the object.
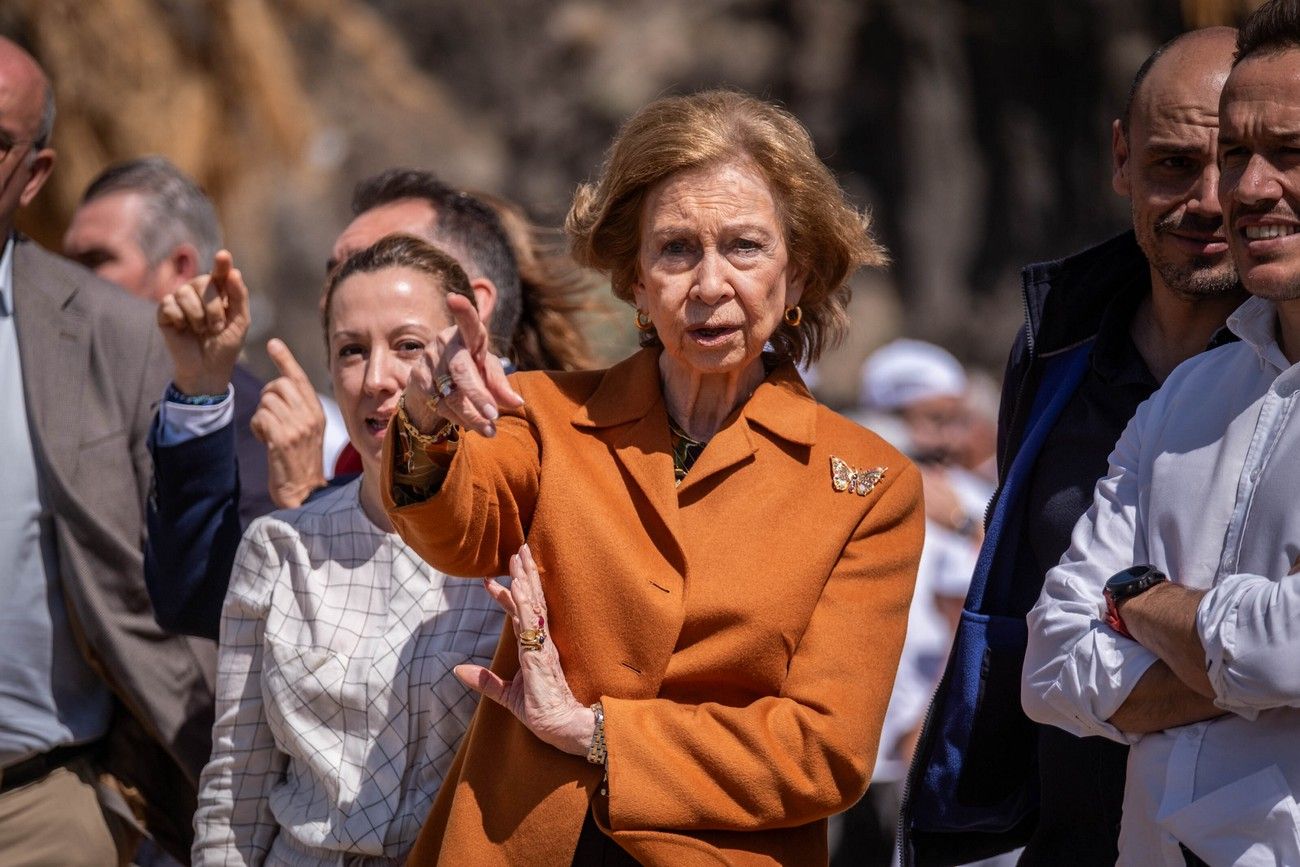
(104, 719)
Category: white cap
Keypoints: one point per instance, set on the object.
(906, 371)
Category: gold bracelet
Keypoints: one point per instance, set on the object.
(596, 754)
(444, 432)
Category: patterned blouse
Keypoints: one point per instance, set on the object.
(337, 711)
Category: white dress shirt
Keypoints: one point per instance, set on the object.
(1205, 485)
(337, 712)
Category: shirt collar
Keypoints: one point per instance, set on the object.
(1255, 322)
(7, 278)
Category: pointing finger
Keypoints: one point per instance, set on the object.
(287, 364)
(222, 264)
(473, 333)
(236, 292)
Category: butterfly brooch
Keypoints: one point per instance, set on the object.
(861, 482)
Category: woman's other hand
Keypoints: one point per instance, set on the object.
(539, 695)
(290, 422)
(458, 379)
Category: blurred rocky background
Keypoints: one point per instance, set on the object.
(976, 131)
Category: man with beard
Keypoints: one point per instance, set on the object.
(1171, 623)
(1103, 329)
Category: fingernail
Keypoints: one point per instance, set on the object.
(489, 430)
(527, 550)
(490, 411)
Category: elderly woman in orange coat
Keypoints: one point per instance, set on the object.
(705, 622)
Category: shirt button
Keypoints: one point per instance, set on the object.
(1254, 474)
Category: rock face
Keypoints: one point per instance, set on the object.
(977, 132)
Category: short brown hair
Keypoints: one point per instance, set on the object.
(1270, 29)
(397, 251)
(827, 237)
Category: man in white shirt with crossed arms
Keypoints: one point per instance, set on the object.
(1200, 672)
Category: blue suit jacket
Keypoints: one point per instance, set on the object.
(205, 491)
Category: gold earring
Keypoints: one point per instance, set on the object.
(793, 316)
(643, 322)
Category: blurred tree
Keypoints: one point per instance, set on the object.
(277, 108)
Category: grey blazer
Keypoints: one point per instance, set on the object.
(94, 367)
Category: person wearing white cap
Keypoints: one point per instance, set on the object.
(914, 395)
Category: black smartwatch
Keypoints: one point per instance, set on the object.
(1132, 581)
(1126, 585)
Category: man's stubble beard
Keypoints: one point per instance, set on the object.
(1199, 279)
(1195, 279)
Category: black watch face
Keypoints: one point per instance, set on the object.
(1133, 580)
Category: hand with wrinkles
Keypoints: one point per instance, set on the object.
(539, 695)
(478, 381)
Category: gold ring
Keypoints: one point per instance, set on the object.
(444, 385)
(532, 639)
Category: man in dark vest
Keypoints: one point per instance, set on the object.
(1104, 329)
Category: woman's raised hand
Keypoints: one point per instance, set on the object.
(539, 695)
(459, 379)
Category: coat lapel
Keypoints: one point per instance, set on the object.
(629, 397)
(781, 405)
(54, 345)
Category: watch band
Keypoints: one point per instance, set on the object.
(596, 754)
(1124, 585)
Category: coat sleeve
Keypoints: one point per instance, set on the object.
(807, 753)
(480, 515)
(1078, 671)
(233, 823)
(194, 531)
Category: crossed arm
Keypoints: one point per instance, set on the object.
(1084, 677)
(1175, 690)
(1194, 654)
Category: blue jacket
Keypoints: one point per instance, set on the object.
(973, 788)
(205, 491)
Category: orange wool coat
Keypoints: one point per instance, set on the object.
(742, 630)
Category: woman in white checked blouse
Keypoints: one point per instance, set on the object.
(337, 710)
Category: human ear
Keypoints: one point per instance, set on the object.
(485, 298)
(185, 262)
(41, 166)
(794, 286)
